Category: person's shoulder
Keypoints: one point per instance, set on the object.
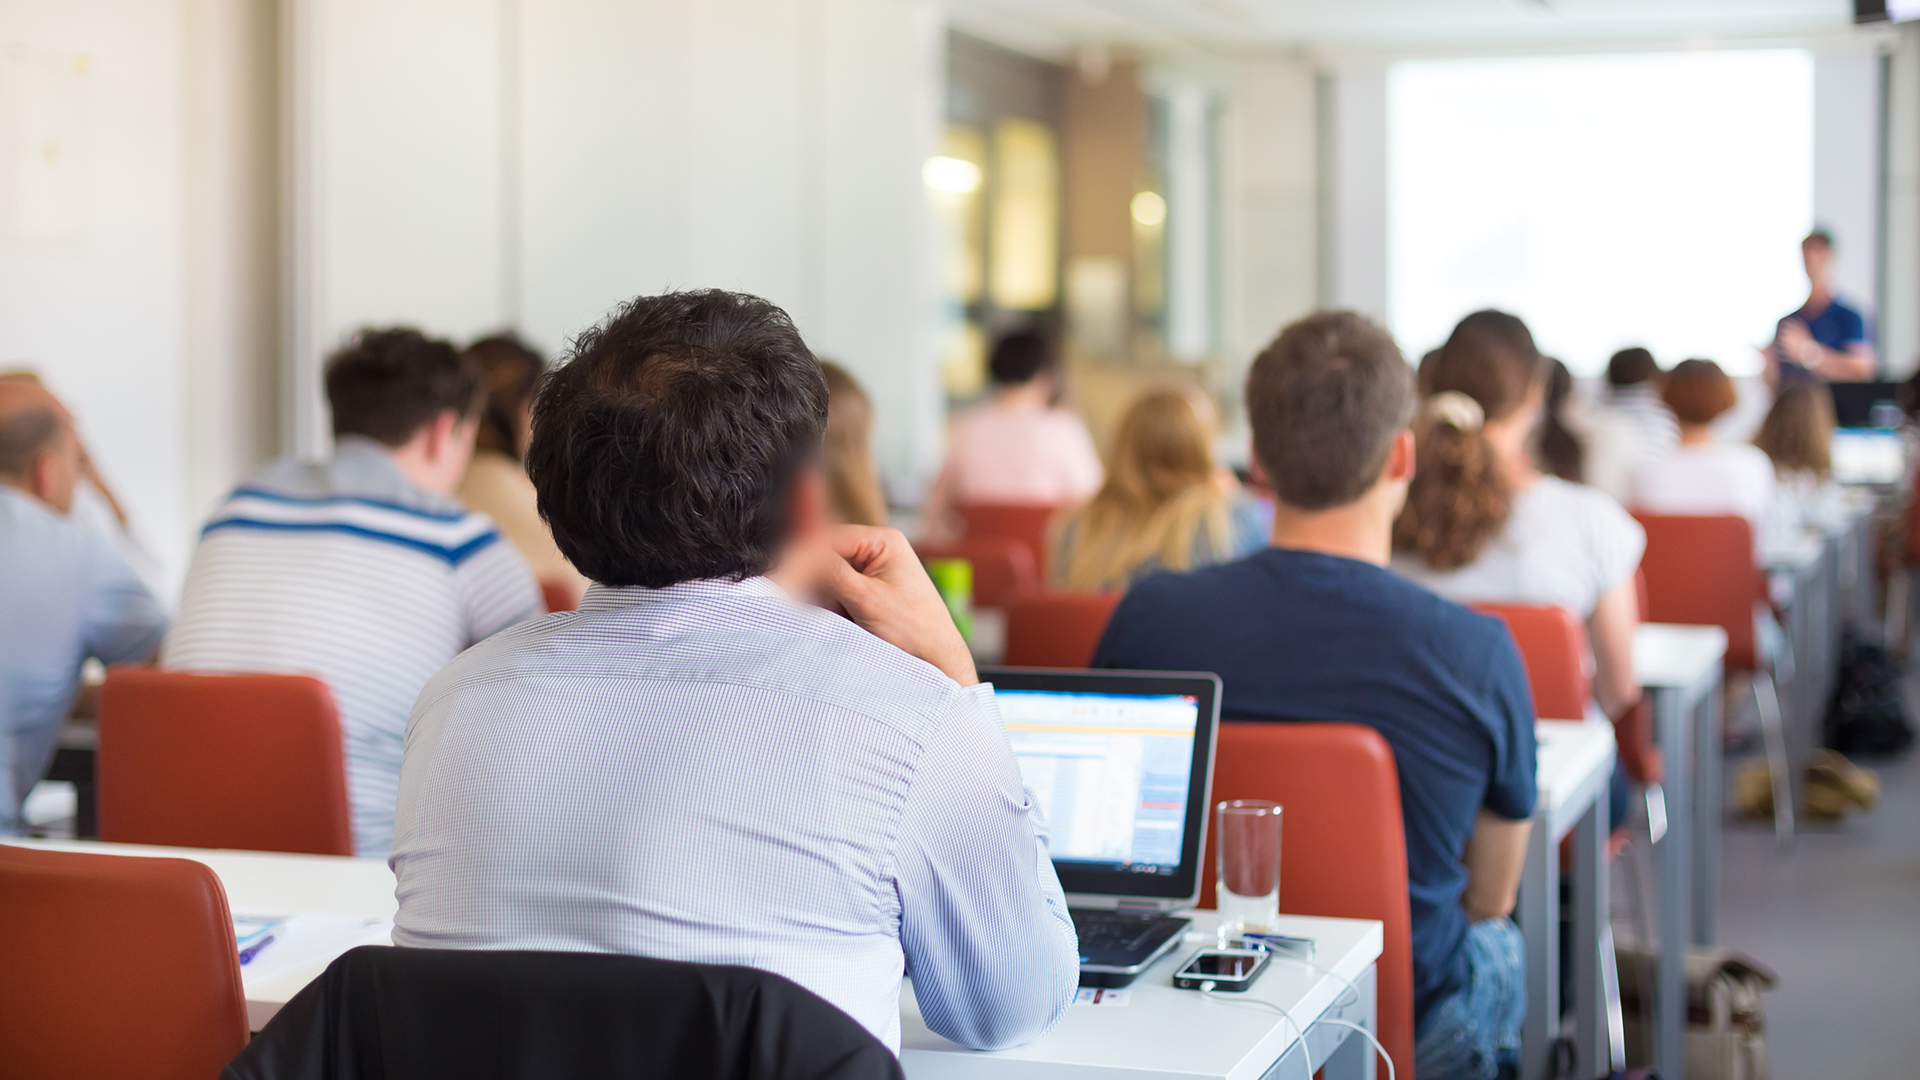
(1585, 503)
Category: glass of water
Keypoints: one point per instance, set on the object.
(1248, 841)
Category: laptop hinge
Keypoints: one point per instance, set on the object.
(1138, 907)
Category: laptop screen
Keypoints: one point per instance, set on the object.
(1110, 771)
(1120, 762)
(1868, 456)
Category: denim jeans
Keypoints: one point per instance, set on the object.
(1471, 1034)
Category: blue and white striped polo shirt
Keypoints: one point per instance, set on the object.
(345, 570)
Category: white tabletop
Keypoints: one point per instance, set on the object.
(1575, 758)
(1670, 657)
(1163, 1032)
(1796, 553)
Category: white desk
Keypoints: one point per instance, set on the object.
(1162, 1031)
(1574, 770)
(1681, 668)
(1166, 1033)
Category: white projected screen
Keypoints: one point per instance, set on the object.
(1110, 771)
(1653, 200)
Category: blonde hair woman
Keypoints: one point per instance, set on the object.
(1165, 504)
(853, 485)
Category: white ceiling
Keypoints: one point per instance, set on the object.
(1061, 25)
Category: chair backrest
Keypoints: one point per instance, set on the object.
(221, 761)
(1058, 629)
(115, 966)
(1343, 845)
(1700, 572)
(557, 595)
(1004, 570)
(1015, 521)
(1553, 645)
(382, 1011)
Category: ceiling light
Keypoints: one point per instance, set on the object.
(958, 175)
(1149, 208)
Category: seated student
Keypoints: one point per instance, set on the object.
(1704, 475)
(1016, 448)
(1483, 525)
(854, 495)
(65, 594)
(361, 570)
(1629, 426)
(1166, 505)
(496, 481)
(1317, 628)
(1797, 436)
(700, 764)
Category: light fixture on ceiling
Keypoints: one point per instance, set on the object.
(1149, 208)
(957, 175)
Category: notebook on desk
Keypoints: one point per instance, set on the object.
(1121, 763)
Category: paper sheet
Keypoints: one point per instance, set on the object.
(309, 937)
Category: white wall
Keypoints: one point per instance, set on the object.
(1846, 166)
(1269, 204)
(1354, 273)
(463, 166)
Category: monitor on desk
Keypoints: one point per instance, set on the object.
(1868, 456)
(1121, 763)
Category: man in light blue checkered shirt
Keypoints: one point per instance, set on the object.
(704, 762)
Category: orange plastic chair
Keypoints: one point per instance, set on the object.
(1344, 852)
(1058, 629)
(1700, 571)
(558, 597)
(222, 761)
(1553, 645)
(116, 966)
(1004, 570)
(1025, 523)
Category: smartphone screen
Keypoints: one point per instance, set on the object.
(1224, 965)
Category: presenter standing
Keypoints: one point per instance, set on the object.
(1825, 338)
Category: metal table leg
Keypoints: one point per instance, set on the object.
(1676, 879)
(1539, 911)
(1709, 807)
(1591, 1044)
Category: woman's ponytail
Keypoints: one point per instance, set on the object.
(1459, 499)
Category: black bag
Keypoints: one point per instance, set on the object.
(1866, 717)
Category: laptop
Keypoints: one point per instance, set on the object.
(1121, 763)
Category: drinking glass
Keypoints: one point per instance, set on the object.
(1248, 842)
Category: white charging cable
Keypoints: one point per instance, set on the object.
(1361, 1028)
(1206, 989)
(1353, 990)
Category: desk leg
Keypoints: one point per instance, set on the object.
(1539, 910)
(1709, 808)
(1592, 1050)
(1353, 1059)
(1676, 880)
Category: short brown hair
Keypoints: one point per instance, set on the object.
(1797, 434)
(511, 372)
(1698, 392)
(388, 384)
(1326, 400)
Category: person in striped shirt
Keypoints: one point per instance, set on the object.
(362, 569)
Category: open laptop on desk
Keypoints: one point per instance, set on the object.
(1121, 763)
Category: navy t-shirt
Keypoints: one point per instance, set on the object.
(1836, 326)
(1296, 635)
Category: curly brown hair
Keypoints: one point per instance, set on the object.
(1459, 498)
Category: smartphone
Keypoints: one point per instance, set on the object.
(1229, 970)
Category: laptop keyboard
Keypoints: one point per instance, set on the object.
(1112, 930)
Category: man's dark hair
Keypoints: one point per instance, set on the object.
(665, 445)
(511, 371)
(1019, 357)
(1819, 236)
(1326, 400)
(388, 384)
(24, 436)
(1631, 367)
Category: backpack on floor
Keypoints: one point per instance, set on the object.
(1726, 1021)
(1867, 717)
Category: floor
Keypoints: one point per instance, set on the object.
(1837, 916)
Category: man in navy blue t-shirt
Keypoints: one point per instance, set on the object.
(1317, 628)
(1825, 337)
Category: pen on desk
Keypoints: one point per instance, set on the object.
(253, 950)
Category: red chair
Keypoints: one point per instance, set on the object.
(558, 595)
(1343, 852)
(116, 966)
(1058, 629)
(1700, 571)
(1004, 570)
(1025, 523)
(222, 761)
(1553, 645)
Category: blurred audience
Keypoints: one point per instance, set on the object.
(1826, 338)
(496, 481)
(1797, 436)
(1482, 524)
(1560, 450)
(66, 595)
(1705, 475)
(854, 494)
(1018, 447)
(362, 569)
(1629, 424)
(1165, 505)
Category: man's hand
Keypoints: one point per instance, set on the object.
(881, 584)
(1797, 342)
